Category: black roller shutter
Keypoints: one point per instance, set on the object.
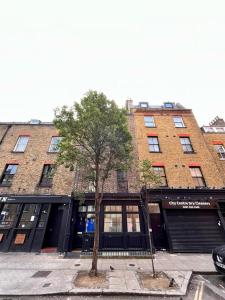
(194, 230)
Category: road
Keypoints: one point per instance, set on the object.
(197, 290)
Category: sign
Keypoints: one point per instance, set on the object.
(1, 237)
(20, 239)
(179, 204)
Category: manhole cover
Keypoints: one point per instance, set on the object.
(131, 265)
(41, 274)
(46, 285)
(77, 265)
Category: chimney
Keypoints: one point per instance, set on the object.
(129, 105)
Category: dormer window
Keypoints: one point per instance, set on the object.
(169, 105)
(143, 104)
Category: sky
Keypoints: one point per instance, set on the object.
(53, 52)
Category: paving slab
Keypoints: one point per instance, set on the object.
(17, 270)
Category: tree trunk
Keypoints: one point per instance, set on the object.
(98, 198)
(94, 267)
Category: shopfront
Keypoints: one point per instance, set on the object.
(193, 219)
(122, 225)
(33, 223)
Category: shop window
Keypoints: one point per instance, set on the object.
(8, 215)
(21, 144)
(122, 183)
(113, 218)
(197, 176)
(178, 122)
(160, 171)
(86, 219)
(133, 220)
(47, 175)
(149, 121)
(186, 144)
(43, 216)
(54, 145)
(153, 144)
(8, 174)
(28, 216)
(220, 150)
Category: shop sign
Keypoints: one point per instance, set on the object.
(176, 204)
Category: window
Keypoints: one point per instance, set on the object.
(21, 144)
(220, 150)
(122, 183)
(143, 104)
(168, 105)
(113, 218)
(133, 220)
(54, 145)
(186, 144)
(160, 171)
(8, 215)
(47, 175)
(86, 219)
(197, 176)
(153, 144)
(178, 122)
(149, 121)
(28, 216)
(8, 174)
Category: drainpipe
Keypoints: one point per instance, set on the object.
(5, 133)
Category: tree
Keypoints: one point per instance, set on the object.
(148, 179)
(95, 139)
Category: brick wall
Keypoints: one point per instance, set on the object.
(30, 163)
(176, 163)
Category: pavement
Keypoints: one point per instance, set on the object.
(22, 273)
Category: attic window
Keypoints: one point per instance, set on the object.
(143, 104)
(168, 105)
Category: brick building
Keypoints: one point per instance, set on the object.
(35, 197)
(38, 210)
(186, 211)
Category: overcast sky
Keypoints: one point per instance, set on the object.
(52, 52)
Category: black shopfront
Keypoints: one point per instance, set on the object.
(122, 224)
(187, 220)
(34, 223)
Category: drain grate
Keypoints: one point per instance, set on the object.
(41, 274)
(131, 265)
(77, 265)
(46, 285)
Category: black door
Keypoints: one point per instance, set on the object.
(194, 230)
(52, 233)
(158, 227)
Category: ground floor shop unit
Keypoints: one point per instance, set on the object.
(122, 223)
(34, 223)
(188, 220)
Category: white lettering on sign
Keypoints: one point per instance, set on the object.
(189, 204)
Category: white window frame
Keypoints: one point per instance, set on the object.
(181, 121)
(151, 123)
(52, 147)
(220, 150)
(19, 144)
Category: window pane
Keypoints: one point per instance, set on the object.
(133, 223)
(7, 215)
(28, 216)
(9, 172)
(149, 121)
(132, 208)
(113, 223)
(113, 208)
(47, 175)
(54, 144)
(21, 144)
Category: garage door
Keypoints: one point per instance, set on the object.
(194, 230)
